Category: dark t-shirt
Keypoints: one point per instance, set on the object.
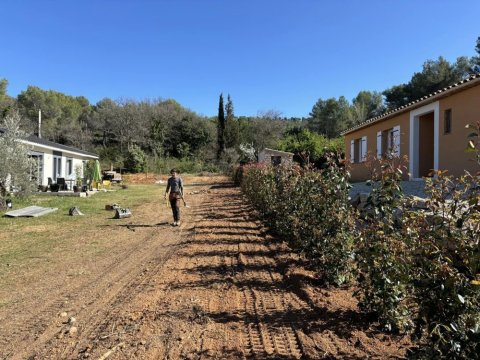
(175, 185)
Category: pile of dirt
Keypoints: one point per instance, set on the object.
(150, 178)
(143, 178)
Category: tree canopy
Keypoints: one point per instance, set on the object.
(435, 74)
(308, 146)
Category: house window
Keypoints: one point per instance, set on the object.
(447, 124)
(358, 150)
(69, 167)
(388, 142)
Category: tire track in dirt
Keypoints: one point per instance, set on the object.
(268, 321)
(268, 340)
(263, 299)
(118, 282)
(102, 296)
(266, 324)
(218, 288)
(100, 321)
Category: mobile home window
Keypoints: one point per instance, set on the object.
(447, 121)
(69, 167)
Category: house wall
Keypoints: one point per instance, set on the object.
(465, 110)
(361, 171)
(48, 163)
(465, 107)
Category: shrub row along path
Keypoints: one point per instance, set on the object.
(216, 287)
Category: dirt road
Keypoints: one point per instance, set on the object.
(217, 287)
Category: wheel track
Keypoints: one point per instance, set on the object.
(49, 310)
(124, 296)
(108, 296)
(277, 338)
(267, 332)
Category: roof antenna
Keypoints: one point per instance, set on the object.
(39, 124)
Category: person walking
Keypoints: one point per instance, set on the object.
(175, 186)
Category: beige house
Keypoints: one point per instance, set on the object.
(275, 157)
(430, 131)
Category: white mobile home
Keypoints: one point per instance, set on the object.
(56, 160)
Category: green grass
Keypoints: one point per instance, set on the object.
(22, 239)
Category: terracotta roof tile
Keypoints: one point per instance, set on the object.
(472, 79)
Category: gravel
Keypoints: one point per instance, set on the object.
(415, 188)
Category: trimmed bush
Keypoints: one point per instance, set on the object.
(383, 253)
(309, 207)
(446, 268)
(418, 271)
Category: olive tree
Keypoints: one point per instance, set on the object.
(16, 166)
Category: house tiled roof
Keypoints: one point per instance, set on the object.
(464, 84)
(39, 141)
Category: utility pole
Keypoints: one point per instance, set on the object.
(40, 124)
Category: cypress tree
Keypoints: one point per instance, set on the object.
(221, 128)
(232, 130)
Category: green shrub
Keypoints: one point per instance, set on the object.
(187, 165)
(383, 253)
(420, 270)
(311, 209)
(447, 268)
(136, 159)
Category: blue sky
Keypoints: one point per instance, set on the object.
(267, 54)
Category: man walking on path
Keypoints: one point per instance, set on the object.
(175, 185)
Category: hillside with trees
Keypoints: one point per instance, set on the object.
(165, 133)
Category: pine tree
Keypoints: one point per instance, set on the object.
(221, 128)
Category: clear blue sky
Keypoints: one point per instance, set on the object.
(268, 54)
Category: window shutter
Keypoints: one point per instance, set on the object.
(363, 151)
(379, 145)
(352, 151)
(396, 140)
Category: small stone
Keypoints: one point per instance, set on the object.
(73, 331)
(364, 197)
(74, 211)
(72, 320)
(143, 342)
(63, 314)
